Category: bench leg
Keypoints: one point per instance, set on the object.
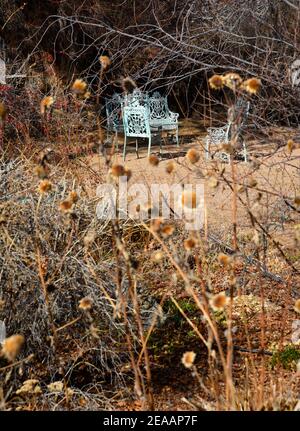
(117, 142)
(124, 149)
(207, 148)
(149, 146)
(136, 148)
(245, 153)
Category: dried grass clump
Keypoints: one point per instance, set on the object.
(47, 271)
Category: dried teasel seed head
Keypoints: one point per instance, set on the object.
(213, 182)
(252, 85)
(117, 170)
(128, 85)
(46, 104)
(227, 148)
(190, 243)
(66, 205)
(85, 303)
(153, 160)
(73, 196)
(89, 238)
(79, 86)
(167, 230)
(193, 156)
(157, 256)
(104, 61)
(11, 346)
(297, 306)
(224, 259)
(45, 186)
(188, 359)
(297, 201)
(218, 302)
(216, 82)
(232, 80)
(290, 145)
(170, 167)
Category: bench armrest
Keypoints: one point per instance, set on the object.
(174, 116)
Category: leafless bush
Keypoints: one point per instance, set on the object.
(174, 48)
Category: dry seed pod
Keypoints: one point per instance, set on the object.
(218, 302)
(216, 82)
(153, 160)
(188, 359)
(11, 347)
(193, 156)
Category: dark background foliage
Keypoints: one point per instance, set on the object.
(173, 46)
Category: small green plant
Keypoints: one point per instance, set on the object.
(287, 358)
(220, 318)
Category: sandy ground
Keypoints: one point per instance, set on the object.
(278, 174)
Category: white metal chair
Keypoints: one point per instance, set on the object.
(217, 136)
(136, 125)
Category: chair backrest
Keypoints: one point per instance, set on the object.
(136, 98)
(136, 121)
(158, 107)
(113, 111)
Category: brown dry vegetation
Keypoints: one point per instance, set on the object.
(142, 314)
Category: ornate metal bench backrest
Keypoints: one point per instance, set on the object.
(6, 66)
(113, 112)
(159, 110)
(136, 98)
